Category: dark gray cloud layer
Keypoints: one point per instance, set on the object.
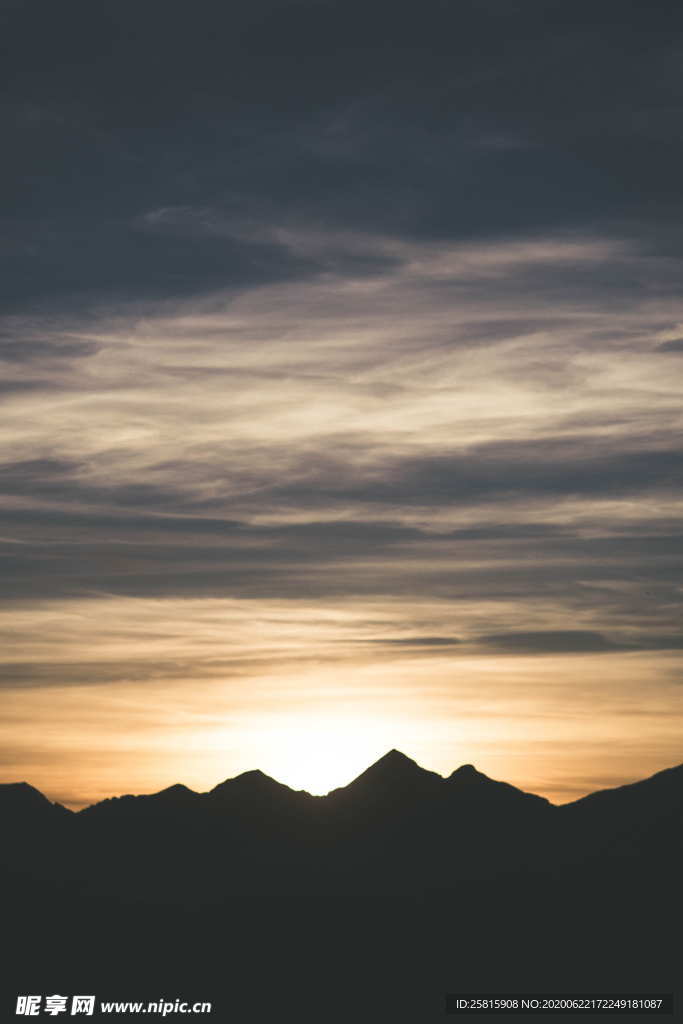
(346, 301)
(489, 472)
(574, 641)
(452, 121)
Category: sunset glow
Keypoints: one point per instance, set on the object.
(146, 692)
(340, 413)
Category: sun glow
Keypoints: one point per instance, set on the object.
(319, 752)
(316, 750)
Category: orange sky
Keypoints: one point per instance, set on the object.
(425, 497)
(200, 690)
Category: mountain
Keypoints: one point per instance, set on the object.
(395, 814)
(643, 818)
(35, 831)
(392, 789)
(144, 807)
(20, 801)
(393, 776)
(367, 904)
(253, 793)
(466, 783)
(177, 795)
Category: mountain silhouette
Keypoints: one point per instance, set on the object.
(366, 904)
(178, 794)
(392, 773)
(642, 818)
(22, 801)
(255, 791)
(467, 784)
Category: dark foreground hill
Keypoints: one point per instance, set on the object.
(365, 905)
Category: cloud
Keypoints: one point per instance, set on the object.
(307, 361)
(176, 181)
(495, 471)
(418, 642)
(27, 350)
(565, 641)
(403, 430)
(576, 641)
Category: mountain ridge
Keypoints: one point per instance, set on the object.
(391, 769)
(403, 873)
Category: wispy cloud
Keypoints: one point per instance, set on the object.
(325, 386)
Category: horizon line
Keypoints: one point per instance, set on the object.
(83, 805)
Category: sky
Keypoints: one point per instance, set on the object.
(341, 352)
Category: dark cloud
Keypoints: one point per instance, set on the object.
(65, 535)
(161, 164)
(486, 473)
(27, 350)
(546, 466)
(416, 642)
(52, 555)
(467, 120)
(575, 641)
(564, 641)
(496, 471)
(507, 329)
(18, 387)
(36, 674)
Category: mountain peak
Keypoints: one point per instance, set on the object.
(467, 774)
(393, 773)
(178, 791)
(22, 794)
(21, 799)
(396, 758)
(257, 797)
(468, 785)
(254, 777)
(251, 783)
(396, 765)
